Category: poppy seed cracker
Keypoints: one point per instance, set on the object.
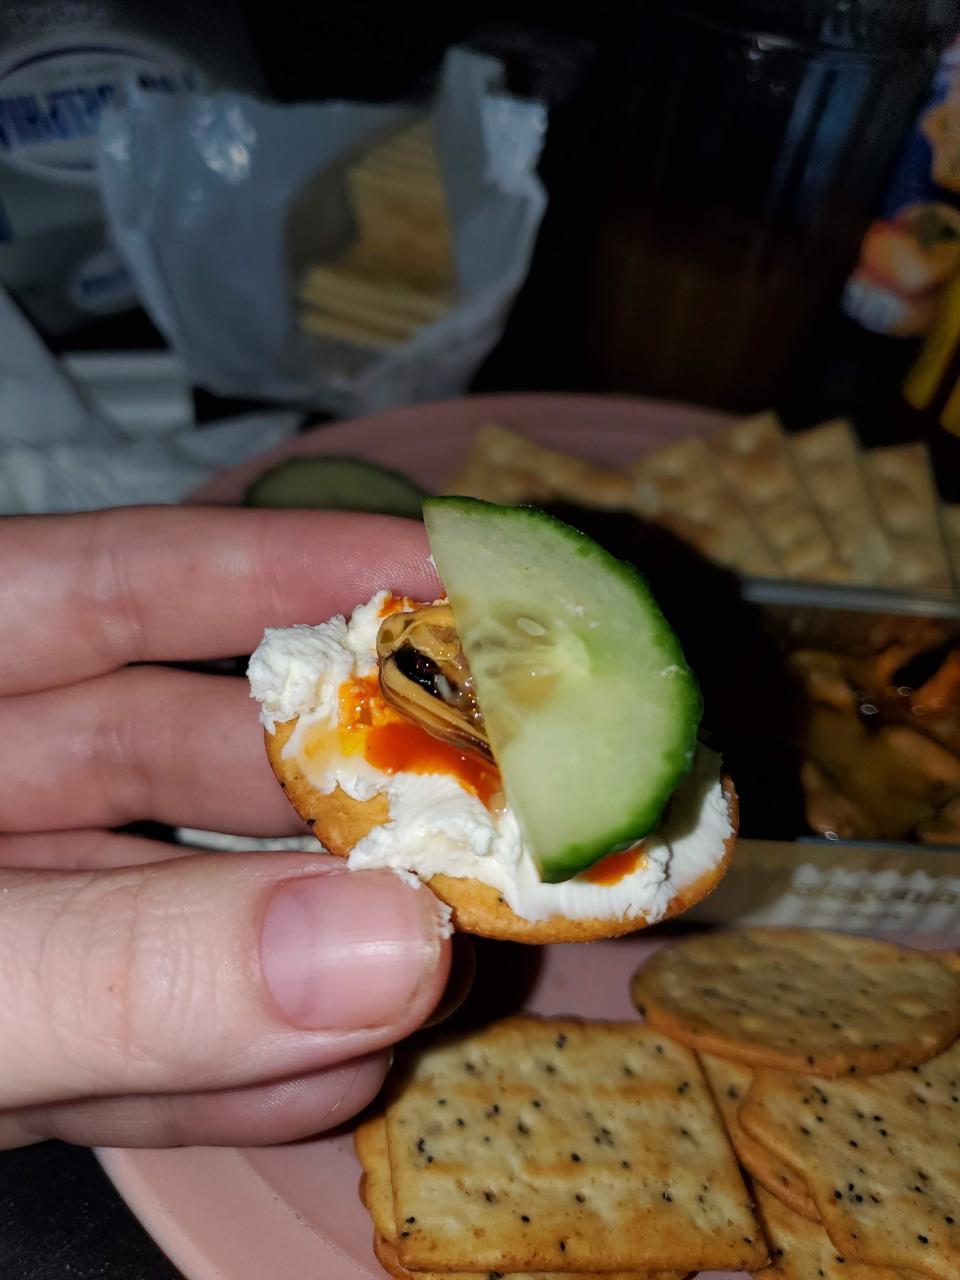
(802, 1250)
(560, 1145)
(370, 1141)
(880, 1156)
(801, 1000)
(729, 1082)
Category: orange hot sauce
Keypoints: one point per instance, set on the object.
(368, 725)
(615, 866)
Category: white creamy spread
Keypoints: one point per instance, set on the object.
(436, 825)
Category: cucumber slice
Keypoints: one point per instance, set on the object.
(336, 484)
(590, 706)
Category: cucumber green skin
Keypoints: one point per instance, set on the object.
(639, 815)
(336, 483)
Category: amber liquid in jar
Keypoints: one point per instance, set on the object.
(743, 163)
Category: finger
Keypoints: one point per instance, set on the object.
(87, 593)
(207, 973)
(142, 743)
(15, 1131)
(463, 970)
(83, 851)
(280, 1111)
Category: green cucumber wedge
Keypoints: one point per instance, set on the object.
(336, 484)
(591, 709)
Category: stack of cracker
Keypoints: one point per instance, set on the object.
(812, 506)
(398, 273)
(555, 1147)
(835, 1063)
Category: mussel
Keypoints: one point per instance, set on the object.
(425, 675)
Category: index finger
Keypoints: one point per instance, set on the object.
(83, 594)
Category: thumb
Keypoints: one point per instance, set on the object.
(206, 972)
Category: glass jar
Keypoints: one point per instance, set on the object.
(744, 157)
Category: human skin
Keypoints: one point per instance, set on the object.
(150, 996)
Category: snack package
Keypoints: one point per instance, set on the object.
(912, 249)
(336, 255)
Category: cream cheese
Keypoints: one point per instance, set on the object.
(435, 824)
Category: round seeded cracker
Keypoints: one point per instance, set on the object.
(339, 821)
(822, 1003)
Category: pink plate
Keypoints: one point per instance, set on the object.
(429, 442)
(294, 1210)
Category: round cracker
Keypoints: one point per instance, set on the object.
(822, 1003)
(339, 821)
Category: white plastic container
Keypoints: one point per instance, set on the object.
(60, 65)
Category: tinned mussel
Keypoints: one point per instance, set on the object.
(424, 674)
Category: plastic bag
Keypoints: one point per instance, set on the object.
(199, 192)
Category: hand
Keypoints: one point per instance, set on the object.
(149, 998)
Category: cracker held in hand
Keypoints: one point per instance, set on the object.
(729, 1082)
(370, 1141)
(881, 1157)
(801, 1000)
(528, 748)
(802, 1250)
(546, 1144)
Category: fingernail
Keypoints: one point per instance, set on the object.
(348, 949)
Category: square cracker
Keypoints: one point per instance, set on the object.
(755, 462)
(557, 1144)
(729, 1083)
(802, 1250)
(828, 458)
(370, 1140)
(881, 1157)
(695, 504)
(547, 473)
(901, 481)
